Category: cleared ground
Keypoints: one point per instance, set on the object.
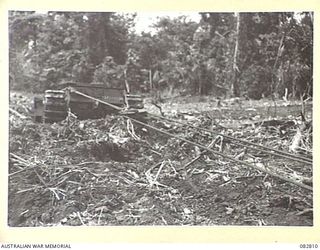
(103, 172)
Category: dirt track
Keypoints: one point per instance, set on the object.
(96, 172)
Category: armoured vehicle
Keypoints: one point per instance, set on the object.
(84, 101)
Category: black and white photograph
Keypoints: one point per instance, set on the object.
(160, 118)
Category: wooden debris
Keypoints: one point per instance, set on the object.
(17, 114)
(72, 187)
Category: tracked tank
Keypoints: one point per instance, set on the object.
(84, 101)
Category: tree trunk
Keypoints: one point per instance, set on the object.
(235, 83)
(150, 80)
(311, 17)
(126, 82)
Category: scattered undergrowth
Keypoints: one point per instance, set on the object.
(103, 172)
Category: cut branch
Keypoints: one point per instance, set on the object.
(17, 113)
(257, 167)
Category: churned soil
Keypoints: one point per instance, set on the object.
(112, 171)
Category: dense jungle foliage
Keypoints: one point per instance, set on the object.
(224, 54)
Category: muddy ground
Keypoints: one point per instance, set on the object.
(108, 172)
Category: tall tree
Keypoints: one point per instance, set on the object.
(235, 83)
(64, 46)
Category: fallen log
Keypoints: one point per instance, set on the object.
(17, 113)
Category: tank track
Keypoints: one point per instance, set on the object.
(134, 101)
(55, 106)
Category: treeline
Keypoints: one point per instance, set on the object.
(230, 54)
